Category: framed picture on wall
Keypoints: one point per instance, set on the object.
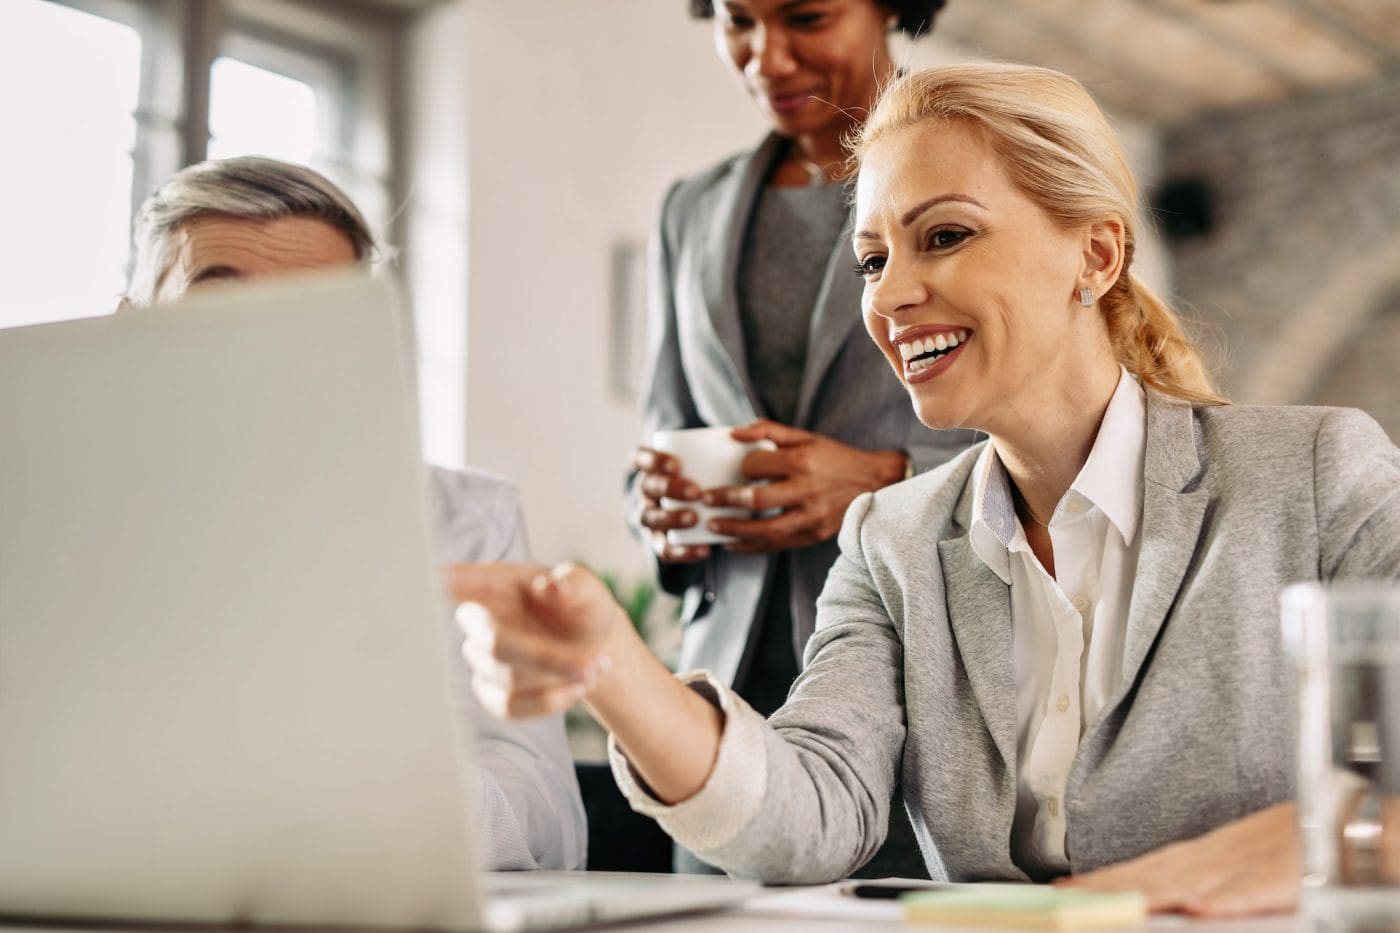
(627, 330)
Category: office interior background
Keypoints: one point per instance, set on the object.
(514, 154)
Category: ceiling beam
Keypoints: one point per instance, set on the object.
(1344, 29)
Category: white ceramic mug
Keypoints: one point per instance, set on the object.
(710, 458)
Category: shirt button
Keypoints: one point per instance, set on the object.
(1062, 703)
(1080, 603)
(1053, 805)
(1073, 506)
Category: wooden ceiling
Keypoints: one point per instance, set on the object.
(1168, 61)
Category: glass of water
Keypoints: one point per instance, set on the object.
(1345, 643)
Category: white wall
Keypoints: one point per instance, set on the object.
(577, 115)
(435, 257)
(580, 115)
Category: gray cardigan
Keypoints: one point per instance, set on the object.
(910, 669)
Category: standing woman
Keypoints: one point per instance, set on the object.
(754, 316)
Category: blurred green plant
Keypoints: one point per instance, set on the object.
(635, 600)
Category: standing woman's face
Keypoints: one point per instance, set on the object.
(804, 62)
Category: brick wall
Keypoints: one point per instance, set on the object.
(1300, 274)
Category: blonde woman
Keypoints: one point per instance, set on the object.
(1064, 642)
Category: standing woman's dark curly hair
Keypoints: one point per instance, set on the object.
(915, 16)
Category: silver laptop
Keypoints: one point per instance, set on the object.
(224, 661)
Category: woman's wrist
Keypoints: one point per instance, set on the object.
(669, 732)
(628, 658)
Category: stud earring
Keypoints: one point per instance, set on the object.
(1086, 296)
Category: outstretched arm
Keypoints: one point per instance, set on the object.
(538, 641)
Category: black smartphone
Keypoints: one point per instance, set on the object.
(890, 888)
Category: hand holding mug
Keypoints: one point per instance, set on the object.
(800, 483)
(662, 477)
(678, 468)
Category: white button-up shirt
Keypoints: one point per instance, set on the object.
(1068, 629)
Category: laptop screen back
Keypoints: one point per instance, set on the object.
(223, 658)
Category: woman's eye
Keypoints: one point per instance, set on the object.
(946, 237)
(806, 20)
(869, 266)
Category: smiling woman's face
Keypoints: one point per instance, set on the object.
(809, 65)
(215, 248)
(970, 288)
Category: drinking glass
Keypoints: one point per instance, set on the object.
(1345, 644)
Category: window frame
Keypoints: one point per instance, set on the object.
(353, 51)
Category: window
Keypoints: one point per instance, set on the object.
(71, 81)
(101, 100)
(253, 110)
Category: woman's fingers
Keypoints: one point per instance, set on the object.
(669, 553)
(764, 430)
(760, 497)
(765, 533)
(517, 704)
(1248, 866)
(654, 461)
(534, 640)
(498, 642)
(483, 662)
(659, 519)
(656, 486)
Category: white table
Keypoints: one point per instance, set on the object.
(815, 908)
(825, 908)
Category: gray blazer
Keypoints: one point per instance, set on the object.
(697, 376)
(910, 670)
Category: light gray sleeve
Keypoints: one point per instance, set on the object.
(732, 793)
(532, 813)
(1356, 484)
(531, 810)
(831, 754)
(666, 401)
(510, 518)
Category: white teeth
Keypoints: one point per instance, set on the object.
(924, 345)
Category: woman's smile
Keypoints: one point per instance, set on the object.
(928, 352)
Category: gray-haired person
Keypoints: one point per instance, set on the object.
(253, 217)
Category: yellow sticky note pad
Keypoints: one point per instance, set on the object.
(1036, 907)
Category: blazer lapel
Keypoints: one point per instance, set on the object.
(836, 313)
(979, 612)
(1172, 519)
(724, 243)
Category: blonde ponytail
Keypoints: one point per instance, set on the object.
(1058, 148)
(1150, 342)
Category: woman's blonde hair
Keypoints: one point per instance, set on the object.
(1060, 150)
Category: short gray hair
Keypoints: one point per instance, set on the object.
(246, 187)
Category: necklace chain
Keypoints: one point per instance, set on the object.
(816, 174)
(1029, 511)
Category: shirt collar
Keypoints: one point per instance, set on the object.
(994, 528)
(1111, 479)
